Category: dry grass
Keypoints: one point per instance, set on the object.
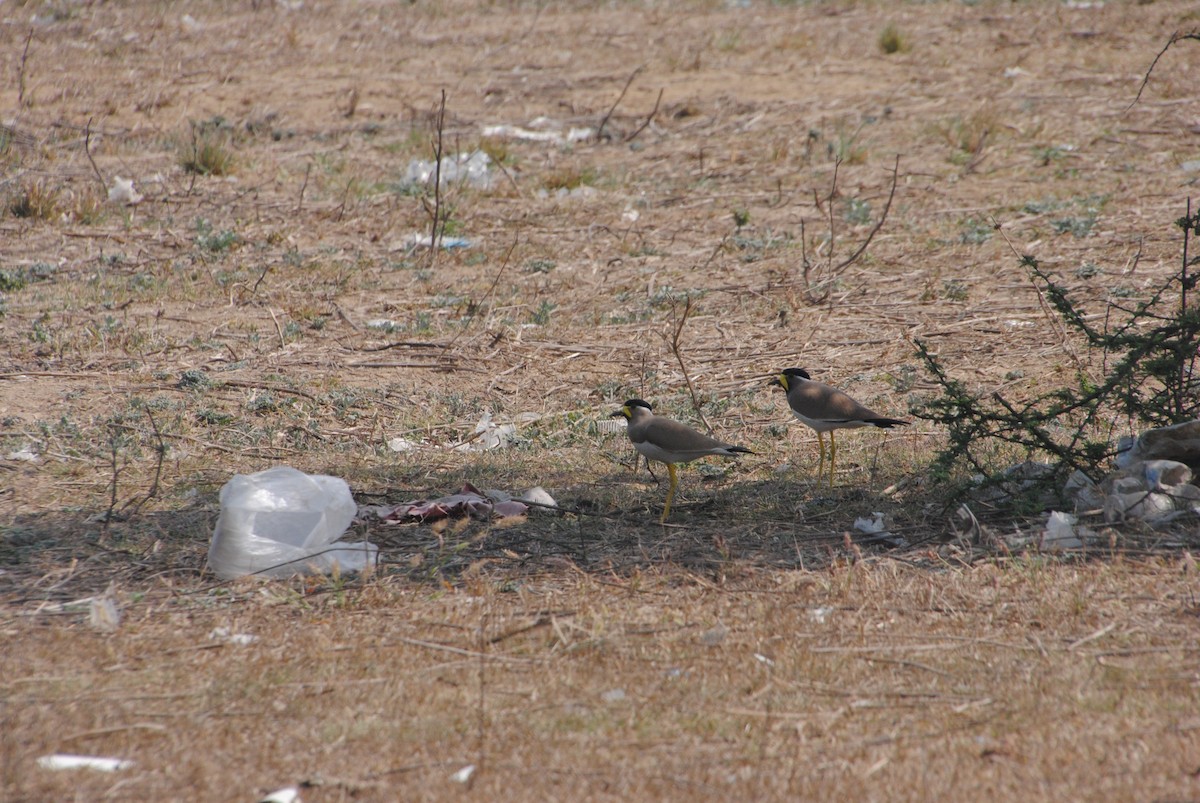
(239, 318)
(869, 680)
(36, 200)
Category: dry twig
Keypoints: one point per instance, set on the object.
(617, 102)
(478, 305)
(649, 118)
(439, 224)
(1175, 37)
(829, 270)
(160, 450)
(87, 149)
(21, 70)
(677, 350)
(303, 187)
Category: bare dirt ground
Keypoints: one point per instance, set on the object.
(271, 309)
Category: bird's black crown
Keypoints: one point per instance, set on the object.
(628, 406)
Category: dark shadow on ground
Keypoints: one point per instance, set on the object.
(716, 529)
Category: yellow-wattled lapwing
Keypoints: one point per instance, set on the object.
(825, 409)
(670, 442)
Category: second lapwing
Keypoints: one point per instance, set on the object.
(670, 442)
(826, 409)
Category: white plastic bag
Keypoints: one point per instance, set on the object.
(282, 522)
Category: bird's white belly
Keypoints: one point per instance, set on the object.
(653, 452)
(825, 425)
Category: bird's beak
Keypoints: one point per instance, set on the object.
(780, 380)
(622, 413)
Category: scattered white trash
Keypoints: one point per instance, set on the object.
(104, 614)
(1060, 533)
(537, 496)
(288, 794)
(488, 435)
(464, 775)
(122, 192)
(65, 761)
(472, 168)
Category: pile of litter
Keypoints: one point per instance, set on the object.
(282, 522)
(470, 501)
(1154, 483)
(473, 169)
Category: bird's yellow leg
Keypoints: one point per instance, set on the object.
(821, 460)
(832, 455)
(670, 491)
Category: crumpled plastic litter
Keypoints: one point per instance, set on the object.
(103, 612)
(281, 522)
(122, 192)
(288, 794)
(488, 435)
(537, 496)
(24, 454)
(1163, 475)
(1016, 481)
(470, 168)
(544, 133)
(464, 775)
(1156, 491)
(872, 525)
(971, 532)
(1061, 532)
(67, 761)
(420, 239)
(400, 444)
(1154, 480)
(876, 530)
(1145, 505)
(469, 501)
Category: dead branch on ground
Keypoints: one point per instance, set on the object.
(649, 118)
(818, 278)
(160, 450)
(1175, 37)
(617, 102)
(475, 307)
